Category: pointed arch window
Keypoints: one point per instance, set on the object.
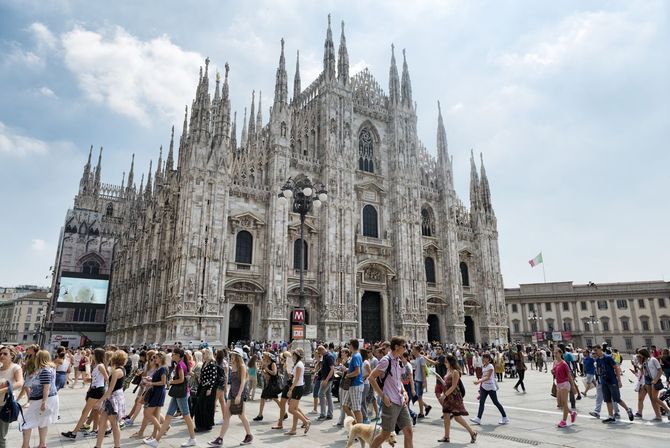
(110, 210)
(426, 223)
(465, 274)
(91, 267)
(429, 265)
(365, 151)
(370, 227)
(244, 247)
(296, 254)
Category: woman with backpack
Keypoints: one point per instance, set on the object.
(43, 410)
(452, 401)
(11, 375)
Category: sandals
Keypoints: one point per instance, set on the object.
(277, 427)
(137, 435)
(290, 433)
(473, 437)
(443, 440)
(307, 425)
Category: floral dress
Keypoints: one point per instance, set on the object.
(453, 404)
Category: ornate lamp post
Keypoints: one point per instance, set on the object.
(533, 319)
(304, 196)
(593, 321)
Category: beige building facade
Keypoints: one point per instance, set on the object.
(625, 315)
(22, 319)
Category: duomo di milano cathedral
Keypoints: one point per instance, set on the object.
(205, 250)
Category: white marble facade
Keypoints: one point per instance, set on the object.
(207, 250)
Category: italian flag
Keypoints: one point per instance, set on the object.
(535, 261)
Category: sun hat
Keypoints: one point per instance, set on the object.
(237, 351)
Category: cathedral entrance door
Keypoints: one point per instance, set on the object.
(239, 326)
(433, 328)
(371, 316)
(469, 330)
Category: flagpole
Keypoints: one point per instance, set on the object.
(544, 275)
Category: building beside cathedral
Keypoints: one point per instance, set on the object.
(205, 250)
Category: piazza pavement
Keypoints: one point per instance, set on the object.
(533, 423)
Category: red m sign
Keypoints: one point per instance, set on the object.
(298, 315)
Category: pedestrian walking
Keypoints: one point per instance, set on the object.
(11, 376)
(295, 392)
(520, 363)
(271, 386)
(564, 382)
(452, 401)
(488, 388)
(326, 376)
(112, 405)
(154, 396)
(609, 375)
(206, 392)
(43, 397)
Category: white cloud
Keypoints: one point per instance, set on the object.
(133, 77)
(45, 38)
(38, 245)
(17, 56)
(13, 143)
(47, 92)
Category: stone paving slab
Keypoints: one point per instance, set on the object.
(533, 423)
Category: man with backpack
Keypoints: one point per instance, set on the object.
(385, 380)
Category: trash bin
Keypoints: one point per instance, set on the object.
(307, 389)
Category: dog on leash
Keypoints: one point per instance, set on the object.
(364, 433)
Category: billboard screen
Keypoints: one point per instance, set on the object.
(83, 291)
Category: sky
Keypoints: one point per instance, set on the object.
(569, 102)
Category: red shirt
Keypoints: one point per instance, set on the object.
(562, 372)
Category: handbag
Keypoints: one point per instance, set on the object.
(178, 390)
(345, 384)
(109, 409)
(658, 385)
(236, 409)
(553, 390)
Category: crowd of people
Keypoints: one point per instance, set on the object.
(380, 384)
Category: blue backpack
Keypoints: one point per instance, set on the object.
(10, 409)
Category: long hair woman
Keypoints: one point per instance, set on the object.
(178, 401)
(235, 404)
(154, 395)
(222, 384)
(564, 383)
(270, 383)
(11, 375)
(283, 369)
(253, 376)
(206, 393)
(487, 388)
(112, 405)
(295, 391)
(143, 370)
(452, 401)
(62, 363)
(653, 382)
(44, 400)
(95, 392)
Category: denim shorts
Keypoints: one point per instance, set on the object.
(181, 403)
(418, 388)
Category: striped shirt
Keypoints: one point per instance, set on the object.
(45, 376)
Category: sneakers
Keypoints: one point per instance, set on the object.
(90, 433)
(216, 442)
(562, 424)
(631, 417)
(504, 421)
(420, 416)
(609, 420)
(128, 421)
(258, 418)
(594, 414)
(617, 415)
(85, 428)
(428, 408)
(573, 416)
(414, 420)
(320, 418)
(69, 435)
(516, 388)
(638, 415)
(476, 421)
(189, 442)
(247, 439)
(151, 442)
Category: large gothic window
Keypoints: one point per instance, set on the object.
(91, 267)
(370, 227)
(465, 275)
(296, 254)
(426, 223)
(365, 151)
(244, 247)
(110, 210)
(429, 264)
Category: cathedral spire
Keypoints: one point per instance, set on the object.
(329, 54)
(443, 158)
(131, 173)
(233, 133)
(296, 79)
(474, 184)
(147, 191)
(251, 136)
(485, 191)
(169, 164)
(225, 91)
(406, 87)
(343, 61)
(259, 114)
(159, 166)
(200, 111)
(281, 82)
(394, 82)
(182, 140)
(98, 170)
(243, 139)
(86, 175)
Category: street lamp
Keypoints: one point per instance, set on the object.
(534, 319)
(304, 196)
(593, 321)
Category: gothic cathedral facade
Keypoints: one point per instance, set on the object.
(208, 252)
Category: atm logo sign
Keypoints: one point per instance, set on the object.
(298, 316)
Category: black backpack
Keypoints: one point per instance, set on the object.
(10, 409)
(382, 380)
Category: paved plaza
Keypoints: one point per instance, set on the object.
(533, 423)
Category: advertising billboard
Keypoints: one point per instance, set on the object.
(85, 291)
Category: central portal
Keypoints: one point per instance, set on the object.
(469, 330)
(239, 324)
(371, 316)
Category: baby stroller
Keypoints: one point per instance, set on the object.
(664, 396)
(510, 369)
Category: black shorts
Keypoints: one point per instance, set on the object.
(296, 394)
(95, 393)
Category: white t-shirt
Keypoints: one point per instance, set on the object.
(134, 360)
(418, 368)
(489, 384)
(369, 369)
(301, 378)
(652, 366)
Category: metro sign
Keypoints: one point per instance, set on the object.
(298, 332)
(298, 315)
